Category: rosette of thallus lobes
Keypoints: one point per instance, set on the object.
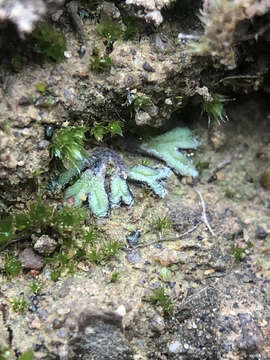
(102, 178)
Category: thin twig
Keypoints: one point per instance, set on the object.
(172, 238)
(236, 77)
(13, 241)
(204, 216)
(222, 164)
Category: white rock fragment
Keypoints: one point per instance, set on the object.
(150, 10)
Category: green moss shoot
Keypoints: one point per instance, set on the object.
(67, 145)
(100, 64)
(109, 29)
(161, 224)
(214, 109)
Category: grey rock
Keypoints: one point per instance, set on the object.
(260, 233)
(30, 260)
(142, 118)
(175, 347)
(161, 43)
(99, 337)
(157, 323)
(45, 245)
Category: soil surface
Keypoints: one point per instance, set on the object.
(218, 261)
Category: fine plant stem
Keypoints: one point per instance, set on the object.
(204, 216)
(172, 238)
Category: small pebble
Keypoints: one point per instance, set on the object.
(142, 118)
(148, 67)
(175, 347)
(67, 54)
(157, 323)
(134, 257)
(265, 179)
(260, 233)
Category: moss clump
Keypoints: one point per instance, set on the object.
(41, 218)
(12, 266)
(101, 253)
(49, 42)
(19, 304)
(132, 29)
(115, 276)
(109, 29)
(36, 287)
(67, 145)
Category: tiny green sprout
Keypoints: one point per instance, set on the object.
(238, 253)
(115, 127)
(109, 29)
(115, 276)
(202, 165)
(159, 298)
(49, 42)
(104, 252)
(111, 248)
(165, 274)
(139, 100)
(27, 355)
(5, 354)
(94, 255)
(145, 162)
(12, 266)
(162, 223)
(90, 236)
(19, 304)
(67, 145)
(147, 192)
(100, 64)
(98, 130)
(41, 87)
(55, 274)
(215, 109)
(250, 245)
(36, 287)
(229, 193)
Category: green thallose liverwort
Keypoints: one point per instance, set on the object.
(170, 148)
